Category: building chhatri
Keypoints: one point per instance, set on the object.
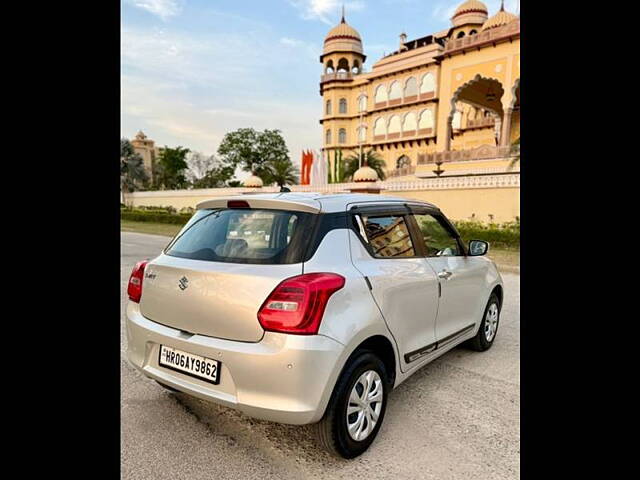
(447, 103)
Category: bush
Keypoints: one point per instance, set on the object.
(155, 216)
(501, 235)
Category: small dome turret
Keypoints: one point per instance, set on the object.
(470, 12)
(499, 19)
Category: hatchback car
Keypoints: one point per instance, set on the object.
(309, 308)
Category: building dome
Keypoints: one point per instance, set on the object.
(342, 38)
(253, 182)
(499, 19)
(365, 174)
(470, 12)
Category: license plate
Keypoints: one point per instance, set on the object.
(190, 364)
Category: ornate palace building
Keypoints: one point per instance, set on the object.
(447, 102)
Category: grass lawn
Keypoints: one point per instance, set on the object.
(507, 260)
(166, 229)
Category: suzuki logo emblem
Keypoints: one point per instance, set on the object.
(183, 283)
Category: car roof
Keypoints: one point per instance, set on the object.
(313, 202)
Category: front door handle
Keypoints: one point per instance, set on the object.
(444, 274)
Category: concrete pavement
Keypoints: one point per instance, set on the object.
(457, 418)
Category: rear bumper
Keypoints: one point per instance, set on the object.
(282, 378)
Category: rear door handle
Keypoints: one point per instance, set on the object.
(444, 274)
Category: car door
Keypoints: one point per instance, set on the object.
(462, 278)
(403, 285)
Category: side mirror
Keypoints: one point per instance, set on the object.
(478, 247)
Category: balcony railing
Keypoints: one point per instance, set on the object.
(401, 172)
(481, 122)
(484, 152)
(327, 77)
(482, 37)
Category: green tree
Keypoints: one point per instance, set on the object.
(172, 167)
(206, 171)
(255, 152)
(515, 147)
(132, 172)
(234, 183)
(370, 158)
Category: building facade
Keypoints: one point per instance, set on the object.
(147, 149)
(443, 104)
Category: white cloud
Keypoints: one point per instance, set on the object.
(327, 11)
(190, 89)
(162, 8)
(444, 10)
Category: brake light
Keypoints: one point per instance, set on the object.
(297, 304)
(238, 204)
(135, 281)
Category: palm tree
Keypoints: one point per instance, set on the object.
(515, 145)
(370, 158)
(283, 172)
(132, 171)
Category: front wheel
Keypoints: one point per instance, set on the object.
(356, 408)
(488, 327)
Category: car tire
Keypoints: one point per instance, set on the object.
(488, 327)
(333, 429)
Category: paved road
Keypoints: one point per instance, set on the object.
(457, 418)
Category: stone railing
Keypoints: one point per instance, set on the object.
(483, 37)
(484, 152)
(509, 180)
(327, 77)
(401, 172)
(481, 122)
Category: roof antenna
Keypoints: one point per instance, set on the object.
(342, 21)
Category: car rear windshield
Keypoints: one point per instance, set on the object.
(243, 236)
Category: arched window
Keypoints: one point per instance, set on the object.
(329, 67)
(410, 124)
(356, 67)
(460, 35)
(426, 120)
(328, 109)
(327, 137)
(410, 87)
(379, 127)
(395, 91)
(473, 32)
(343, 65)
(394, 125)
(381, 94)
(362, 103)
(403, 162)
(362, 134)
(428, 84)
(342, 106)
(342, 136)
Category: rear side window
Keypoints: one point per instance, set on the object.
(243, 236)
(388, 236)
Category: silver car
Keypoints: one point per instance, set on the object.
(309, 308)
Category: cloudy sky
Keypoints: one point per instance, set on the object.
(193, 70)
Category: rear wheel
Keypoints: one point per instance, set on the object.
(356, 408)
(489, 326)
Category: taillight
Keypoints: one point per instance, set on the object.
(135, 281)
(297, 304)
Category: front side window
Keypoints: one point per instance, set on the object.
(328, 108)
(388, 236)
(242, 236)
(438, 242)
(342, 136)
